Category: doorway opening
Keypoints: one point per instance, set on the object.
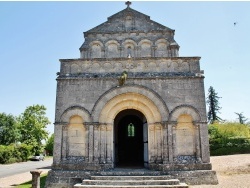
(131, 139)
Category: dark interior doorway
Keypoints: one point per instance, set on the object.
(129, 146)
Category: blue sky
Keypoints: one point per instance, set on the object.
(35, 35)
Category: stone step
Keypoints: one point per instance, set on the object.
(131, 177)
(130, 172)
(131, 182)
(181, 185)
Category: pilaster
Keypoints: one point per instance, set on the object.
(197, 142)
(109, 143)
(57, 151)
(96, 143)
(165, 143)
(103, 146)
(151, 143)
(64, 142)
(91, 143)
(205, 154)
(170, 142)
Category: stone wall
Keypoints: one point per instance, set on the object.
(174, 92)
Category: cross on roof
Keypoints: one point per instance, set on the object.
(128, 3)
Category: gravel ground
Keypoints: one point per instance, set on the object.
(233, 171)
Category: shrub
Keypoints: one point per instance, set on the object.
(6, 152)
(229, 138)
(12, 153)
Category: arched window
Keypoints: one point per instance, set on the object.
(131, 130)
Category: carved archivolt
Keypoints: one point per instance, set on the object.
(130, 97)
(184, 109)
(73, 111)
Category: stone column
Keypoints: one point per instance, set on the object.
(121, 50)
(36, 178)
(197, 142)
(91, 143)
(138, 49)
(96, 143)
(174, 142)
(165, 143)
(65, 142)
(86, 136)
(102, 52)
(170, 142)
(205, 154)
(158, 138)
(57, 151)
(151, 144)
(103, 143)
(109, 143)
(153, 49)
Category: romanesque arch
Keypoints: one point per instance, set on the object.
(133, 97)
(129, 48)
(161, 48)
(187, 133)
(75, 111)
(96, 49)
(112, 49)
(145, 46)
(184, 109)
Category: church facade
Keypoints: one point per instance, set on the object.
(154, 119)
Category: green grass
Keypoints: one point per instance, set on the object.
(29, 183)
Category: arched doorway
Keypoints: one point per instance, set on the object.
(131, 139)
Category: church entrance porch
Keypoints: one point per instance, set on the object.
(130, 135)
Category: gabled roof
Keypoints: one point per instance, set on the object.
(117, 23)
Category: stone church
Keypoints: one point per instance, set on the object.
(130, 104)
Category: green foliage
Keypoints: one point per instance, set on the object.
(32, 124)
(229, 138)
(13, 153)
(25, 151)
(213, 105)
(6, 154)
(49, 145)
(21, 137)
(8, 129)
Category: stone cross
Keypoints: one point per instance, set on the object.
(128, 3)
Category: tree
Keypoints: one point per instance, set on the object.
(213, 105)
(50, 144)
(9, 132)
(242, 119)
(32, 125)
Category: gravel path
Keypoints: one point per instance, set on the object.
(233, 171)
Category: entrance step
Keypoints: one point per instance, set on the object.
(131, 182)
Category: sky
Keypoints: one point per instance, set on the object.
(35, 35)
